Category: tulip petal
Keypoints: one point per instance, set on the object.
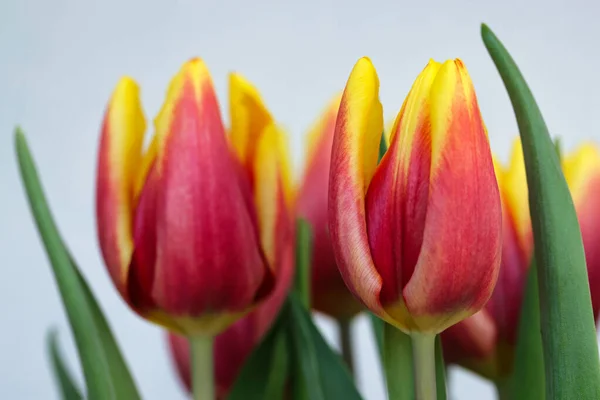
(320, 137)
(353, 162)
(273, 193)
(119, 156)
(329, 292)
(505, 304)
(472, 341)
(206, 239)
(249, 118)
(460, 255)
(582, 172)
(397, 196)
(180, 352)
(516, 198)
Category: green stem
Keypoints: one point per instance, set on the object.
(397, 358)
(201, 353)
(424, 359)
(345, 330)
(303, 259)
(503, 390)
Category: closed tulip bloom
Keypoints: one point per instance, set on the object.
(187, 228)
(417, 238)
(485, 343)
(329, 293)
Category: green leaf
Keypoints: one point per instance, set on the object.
(398, 364)
(265, 373)
(62, 375)
(303, 257)
(568, 331)
(320, 373)
(528, 380)
(119, 371)
(105, 372)
(278, 375)
(440, 369)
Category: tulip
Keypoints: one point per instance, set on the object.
(195, 230)
(485, 343)
(329, 293)
(417, 237)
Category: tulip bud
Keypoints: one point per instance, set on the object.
(417, 237)
(187, 229)
(462, 342)
(329, 293)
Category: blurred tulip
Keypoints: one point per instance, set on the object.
(195, 230)
(485, 343)
(417, 238)
(329, 293)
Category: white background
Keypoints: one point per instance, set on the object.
(59, 61)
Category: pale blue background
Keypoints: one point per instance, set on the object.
(59, 61)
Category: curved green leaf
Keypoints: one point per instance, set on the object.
(440, 370)
(66, 384)
(119, 371)
(265, 373)
(567, 323)
(105, 372)
(319, 372)
(528, 379)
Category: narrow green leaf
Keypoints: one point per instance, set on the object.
(528, 379)
(118, 369)
(440, 370)
(266, 370)
(280, 363)
(307, 383)
(398, 364)
(99, 355)
(320, 372)
(303, 258)
(66, 384)
(567, 323)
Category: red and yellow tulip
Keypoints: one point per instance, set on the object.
(196, 229)
(486, 342)
(417, 238)
(329, 293)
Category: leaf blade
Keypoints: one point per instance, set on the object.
(77, 299)
(65, 381)
(528, 378)
(569, 341)
(252, 383)
(325, 374)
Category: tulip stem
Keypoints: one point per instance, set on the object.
(203, 382)
(424, 363)
(345, 329)
(503, 390)
(398, 365)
